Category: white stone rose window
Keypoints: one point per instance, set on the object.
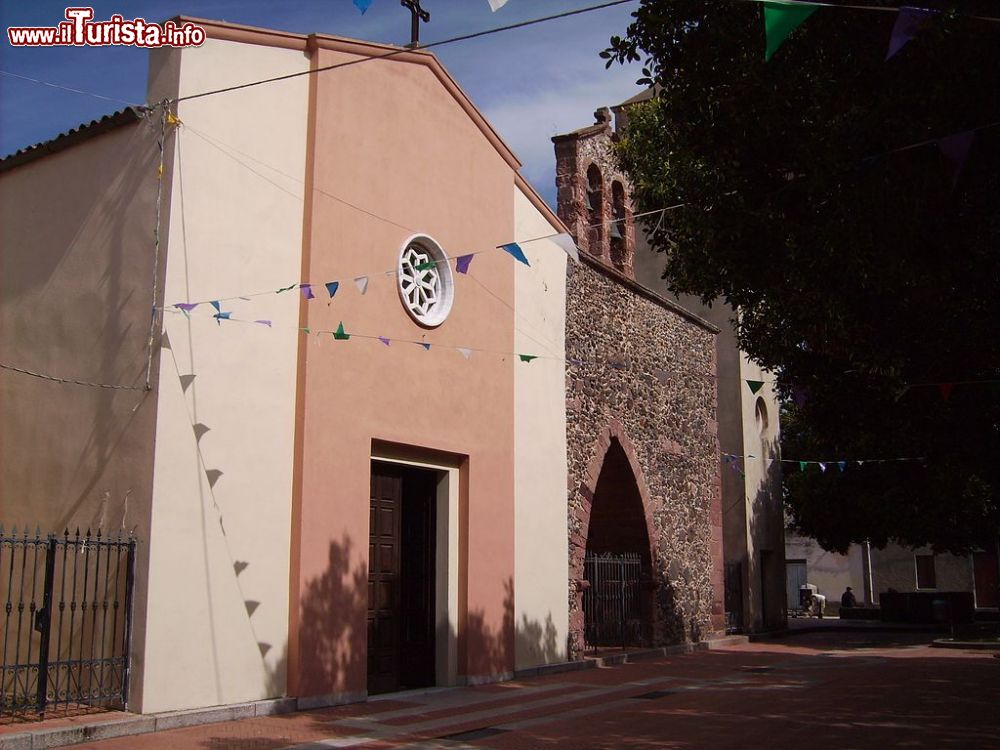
(425, 283)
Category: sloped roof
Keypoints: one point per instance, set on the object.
(72, 136)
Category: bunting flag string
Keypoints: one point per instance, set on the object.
(341, 334)
(800, 395)
(462, 263)
(755, 386)
(824, 464)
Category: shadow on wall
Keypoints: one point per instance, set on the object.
(537, 642)
(767, 530)
(333, 632)
(490, 651)
(333, 646)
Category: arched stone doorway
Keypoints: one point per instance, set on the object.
(612, 550)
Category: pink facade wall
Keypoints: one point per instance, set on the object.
(392, 138)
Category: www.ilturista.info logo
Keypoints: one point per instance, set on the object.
(79, 30)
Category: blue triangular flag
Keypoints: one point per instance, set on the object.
(515, 250)
(363, 5)
(332, 287)
(217, 306)
(842, 465)
(219, 317)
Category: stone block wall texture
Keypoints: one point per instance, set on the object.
(575, 153)
(643, 373)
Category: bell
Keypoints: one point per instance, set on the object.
(615, 234)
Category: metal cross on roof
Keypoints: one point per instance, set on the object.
(418, 14)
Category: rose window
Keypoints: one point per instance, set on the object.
(425, 282)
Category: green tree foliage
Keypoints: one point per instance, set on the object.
(858, 268)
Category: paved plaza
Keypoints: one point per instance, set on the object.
(814, 690)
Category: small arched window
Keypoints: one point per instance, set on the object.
(595, 209)
(760, 415)
(619, 229)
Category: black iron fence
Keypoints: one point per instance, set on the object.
(67, 622)
(612, 600)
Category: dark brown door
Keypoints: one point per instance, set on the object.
(384, 578)
(985, 570)
(401, 570)
(417, 591)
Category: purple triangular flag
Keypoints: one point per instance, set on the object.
(822, 466)
(384, 340)
(186, 306)
(955, 149)
(462, 263)
(425, 345)
(908, 23)
(307, 291)
(264, 322)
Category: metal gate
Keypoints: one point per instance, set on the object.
(67, 622)
(612, 605)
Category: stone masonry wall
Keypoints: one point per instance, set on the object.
(575, 153)
(643, 373)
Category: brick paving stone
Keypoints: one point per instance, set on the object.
(843, 691)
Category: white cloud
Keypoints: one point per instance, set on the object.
(527, 123)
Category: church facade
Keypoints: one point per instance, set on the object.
(382, 417)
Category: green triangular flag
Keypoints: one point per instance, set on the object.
(803, 465)
(527, 357)
(285, 288)
(425, 266)
(780, 20)
(340, 334)
(755, 385)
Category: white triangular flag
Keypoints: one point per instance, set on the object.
(566, 243)
(361, 283)
(496, 5)
(464, 352)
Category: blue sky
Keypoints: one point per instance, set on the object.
(530, 83)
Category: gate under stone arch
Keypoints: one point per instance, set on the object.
(612, 556)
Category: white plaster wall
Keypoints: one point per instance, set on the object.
(216, 636)
(540, 512)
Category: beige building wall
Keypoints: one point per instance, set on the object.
(895, 567)
(76, 272)
(762, 495)
(541, 544)
(830, 572)
(218, 586)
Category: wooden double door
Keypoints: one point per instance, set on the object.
(401, 573)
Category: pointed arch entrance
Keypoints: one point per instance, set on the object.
(612, 554)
